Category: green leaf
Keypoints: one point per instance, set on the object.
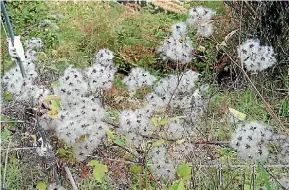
(56, 103)
(41, 185)
(110, 134)
(119, 141)
(5, 133)
(50, 98)
(92, 163)
(98, 169)
(163, 121)
(184, 171)
(155, 121)
(8, 96)
(178, 185)
(61, 152)
(99, 172)
(53, 113)
(158, 142)
(247, 187)
(265, 176)
(135, 169)
(118, 82)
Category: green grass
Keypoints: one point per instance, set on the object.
(132, 36)
(14, 175)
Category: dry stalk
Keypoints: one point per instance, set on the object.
(71, 178)
(6, 163)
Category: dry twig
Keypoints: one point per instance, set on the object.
(6, 163)
(70, 178)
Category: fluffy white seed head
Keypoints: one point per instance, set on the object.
(199, 14)
(25, 89)
(138, 78)
(93, 138)
(282, 144)
(162, 162)
(135, 138)
(155, 101)
(251, 141)
(80, 121)
(179, 30)
(135, 123)
(256, 57)
(100, 77)
(33, 43)
(200, 17)
(196, 107)
(174, 84)
(100, 74)
(71, 85)
(175, 129)
(81, 126)
(128, 120)
(177, 49)
(37, 92)
(205, 29)
(104, 57)
(166, 86)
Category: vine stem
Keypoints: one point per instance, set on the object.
(222, 143)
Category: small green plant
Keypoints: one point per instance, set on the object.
(41, 185)
(99, 170)
(265, 176)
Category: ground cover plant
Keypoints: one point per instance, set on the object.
(143, 95)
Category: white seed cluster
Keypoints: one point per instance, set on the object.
(282, 144)
(255, 56)
(200, 17)
(174, 91)
(80, 121)
(48, 24)
(135, 124)
(177, 92)
(175, 129)
(100, 75)
(82, 127)
(71, 86)
(163, 163)
(179, 30)
(25, 89)
(177, 47)
(167, 157)
(196, 107)
(251, 141)
(138, 78)
(33, 43)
